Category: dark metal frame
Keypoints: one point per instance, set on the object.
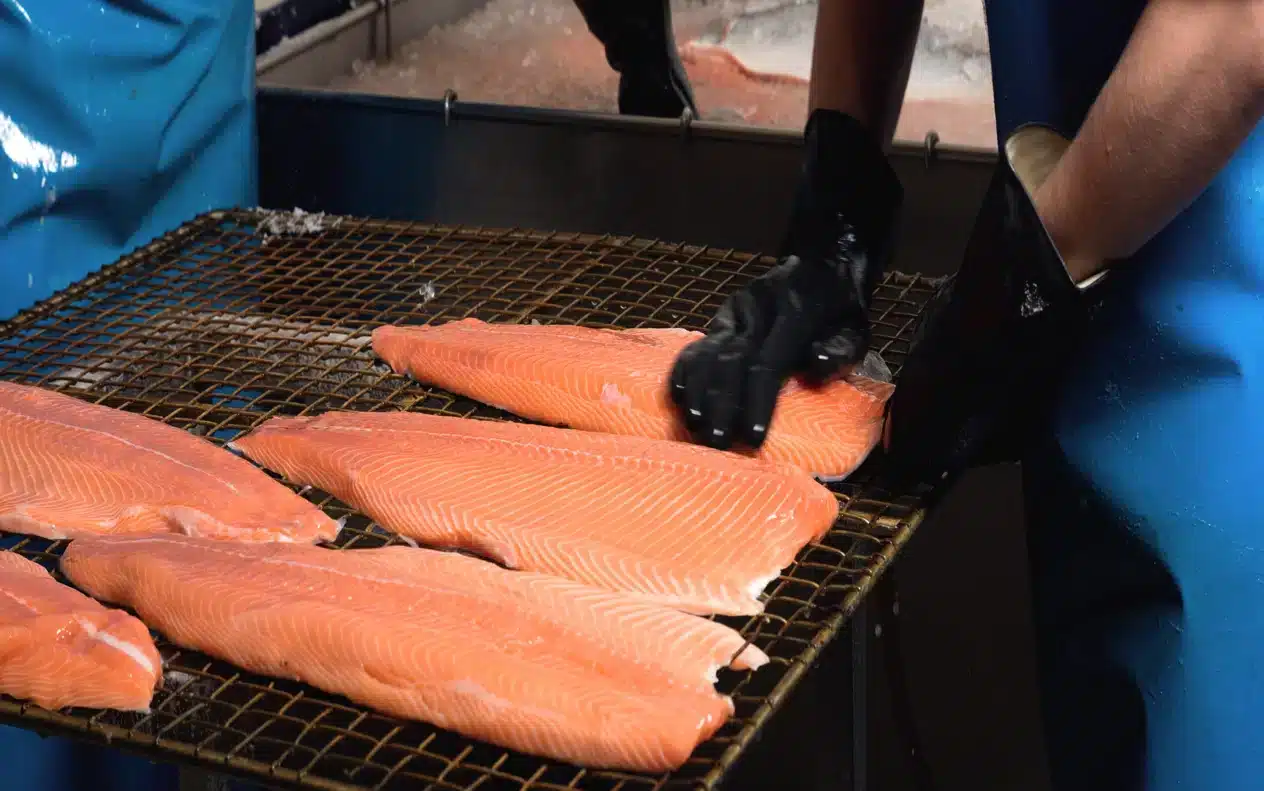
(707, 183)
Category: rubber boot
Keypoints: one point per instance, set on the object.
(986, 358)
(640, 46)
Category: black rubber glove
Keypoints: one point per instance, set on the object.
(640, 46)
(986, 361)
(809, 315)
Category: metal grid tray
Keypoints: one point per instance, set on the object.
(240, 316)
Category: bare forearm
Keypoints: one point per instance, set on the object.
(861, 58)
(1186, 93)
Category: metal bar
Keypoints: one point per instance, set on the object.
(291, 48)
(386, 14)
(327, 53)
(725, 186)
(518, 114)
(861, 645)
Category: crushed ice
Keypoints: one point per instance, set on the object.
(294, 223)
(175, 678)
(1033, 303)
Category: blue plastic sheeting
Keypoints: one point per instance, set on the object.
(29, 766)
(119, 120)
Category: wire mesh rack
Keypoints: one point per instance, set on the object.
(240, 316)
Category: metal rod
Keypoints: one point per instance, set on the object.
(861, 640)
(386, 6)
(449, 98)
(290, 48)
(886, 603)
(550, 116)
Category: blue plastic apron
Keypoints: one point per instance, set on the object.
(118, 121)
(1145, 496)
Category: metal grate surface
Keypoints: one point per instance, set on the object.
(237, 317)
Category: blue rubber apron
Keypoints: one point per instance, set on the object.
(118, 122)
(1145, 501)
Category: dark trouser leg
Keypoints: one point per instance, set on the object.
(640, 46)
(1096, 590)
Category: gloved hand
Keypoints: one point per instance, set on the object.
(809, 315)
(640, 46)
(986, 361)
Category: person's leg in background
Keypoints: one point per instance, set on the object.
(640, 46)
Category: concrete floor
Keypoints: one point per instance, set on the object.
(748, 61)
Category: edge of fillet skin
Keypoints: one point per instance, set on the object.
(642, 722)
(61, 648)
(289, 446)
(76, 468)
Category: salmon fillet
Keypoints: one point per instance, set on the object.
(69, 468)
(681, 525)
(59, 648)
(524, 661)
(616, 381)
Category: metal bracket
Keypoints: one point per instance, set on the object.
(686, 123)
(930, 146)
(449, 99)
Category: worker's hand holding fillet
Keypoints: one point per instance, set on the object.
(809, 315)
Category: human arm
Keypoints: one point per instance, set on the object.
(1185, 94)
(809, 315)
(861, 56)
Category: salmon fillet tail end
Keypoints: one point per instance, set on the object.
(59, 648)
(70, 468)
(387, 342)
(428, 636)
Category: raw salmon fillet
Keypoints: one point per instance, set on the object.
(59, 648)
(616, 381)
(686, 526)
(69, 468)
(524, 661)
